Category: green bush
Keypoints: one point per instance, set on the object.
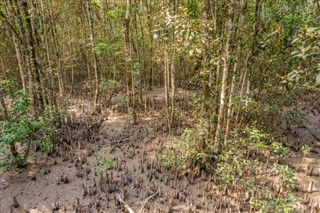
(24, 130)
(237, 164)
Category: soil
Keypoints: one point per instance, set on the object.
(71, 180)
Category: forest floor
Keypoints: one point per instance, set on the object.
(73, 179)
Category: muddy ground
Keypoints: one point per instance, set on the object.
(132, 176)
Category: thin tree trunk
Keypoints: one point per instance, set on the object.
(52, 98)
(225, 71)
(72, 69)
(18, 56)
(128, 54)
(19, 59)
(166, 83)
(95, 68)
(173, 70)
(236, 68)
(56, 49)
(37, 94)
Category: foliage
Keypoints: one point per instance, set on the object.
(295, 117)
(169, 158)
(48, 137)
(137, 68)
(115, 13)
(285, 205)
(8, 161)
(307, 43)
(234, 164)
(306, 46)
(193, 8)
(24, 131)
(278, 148)
(102, 48)
(109, 84)
(190, 34)
(184, 151)
(102, 163)
(268, 49)
(305, 149)
(286, 176)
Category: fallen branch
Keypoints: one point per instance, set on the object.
(147, 200)
(125, 205)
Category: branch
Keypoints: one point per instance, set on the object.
(11, 27)
(147, 200)
(125, 205)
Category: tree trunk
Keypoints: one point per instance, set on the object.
(95, 68)
(225, 71)
(129, 76)
(19, 60)
(166, 84)
(18, 56)
(243, 6)
(32, 56)
(56, 48)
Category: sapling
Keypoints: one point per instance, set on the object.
(306, 150)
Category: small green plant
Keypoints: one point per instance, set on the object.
(305, 149)
(169, 158)
(295, 117)
(286, 176)
(279, 205)
(257, 138)
(104, 163)
(231, 164)
(278, 148)
(8, 161)
(185, 151)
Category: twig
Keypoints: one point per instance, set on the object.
(125, 205)
(147, 199)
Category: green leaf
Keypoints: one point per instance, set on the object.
(318, 79)
(317, 69)
(115, 13)
(295, 40)
(102, 48)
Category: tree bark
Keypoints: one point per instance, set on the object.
(56, 48)
(243, 7)
(95, 67)
(129, 76)
(18, 56)
(37, 95)
(225, 71)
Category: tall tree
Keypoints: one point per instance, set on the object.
(94, 60)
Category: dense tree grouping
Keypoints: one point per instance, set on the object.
(244, 59)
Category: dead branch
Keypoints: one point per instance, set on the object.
(147, 200)
(125, 205)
